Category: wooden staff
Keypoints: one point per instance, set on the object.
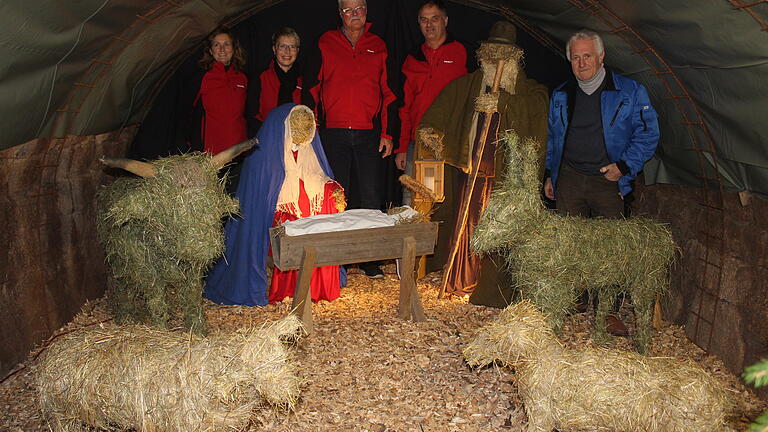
(464, 210)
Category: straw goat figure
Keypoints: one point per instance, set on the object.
(596, 388)
(161, 231)
(555, 258)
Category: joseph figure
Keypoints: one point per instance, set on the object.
(452, 130)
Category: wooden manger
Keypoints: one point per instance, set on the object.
(305, 252)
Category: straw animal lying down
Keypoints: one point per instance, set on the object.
(555, 258)
(596, 389)
(137, 378)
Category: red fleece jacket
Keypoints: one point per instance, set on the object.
(427, 72)
(352, 82)
(223, 94)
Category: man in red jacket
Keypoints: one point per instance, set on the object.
(437, 62)
(352, 91)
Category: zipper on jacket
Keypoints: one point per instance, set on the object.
(616, 114)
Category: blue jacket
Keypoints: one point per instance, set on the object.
(630, 126)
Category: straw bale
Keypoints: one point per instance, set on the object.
(596, 388)
(135, 377)
(160, 234)
(556, 258)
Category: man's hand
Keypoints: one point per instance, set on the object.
(400, 160)
(385, 147)
(611, 172)
(549, 190)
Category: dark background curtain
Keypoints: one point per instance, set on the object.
(165, 128)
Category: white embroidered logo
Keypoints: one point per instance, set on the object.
(240, 85)
(447, 61)
(370, 51)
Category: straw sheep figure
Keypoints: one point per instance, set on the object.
(556, 258)
(161, 231)
(596, 389)
(147, 380)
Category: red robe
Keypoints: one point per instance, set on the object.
(325, 280)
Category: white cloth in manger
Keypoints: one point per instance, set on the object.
(345, 221)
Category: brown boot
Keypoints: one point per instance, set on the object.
(615, 326)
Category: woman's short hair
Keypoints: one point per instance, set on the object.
(286, 32)
(238, 53)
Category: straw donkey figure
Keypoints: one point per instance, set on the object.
(597, 388)
(161, 231)
(555, 258)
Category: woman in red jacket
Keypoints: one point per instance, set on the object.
(280, 83)
(220, 102)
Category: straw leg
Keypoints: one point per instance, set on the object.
(157, 305)
(302, 302)
(605, 300)
(192, 308)
(552, 297)
(644, 306)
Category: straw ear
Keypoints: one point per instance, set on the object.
(227, 155)
(141, 169)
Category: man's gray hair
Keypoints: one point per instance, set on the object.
(341, 1)
(584, 34)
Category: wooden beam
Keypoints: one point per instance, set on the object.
(302, 298)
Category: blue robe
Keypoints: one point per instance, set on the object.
(240, 275)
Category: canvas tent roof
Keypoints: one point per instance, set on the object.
(91, 66)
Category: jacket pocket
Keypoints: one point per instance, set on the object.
(618, 110)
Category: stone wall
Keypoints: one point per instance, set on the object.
(729, 290)
(51, 261)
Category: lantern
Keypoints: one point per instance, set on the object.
(430, 173)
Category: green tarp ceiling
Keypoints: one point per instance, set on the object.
(84, 67)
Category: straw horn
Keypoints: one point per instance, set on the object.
(227, 155)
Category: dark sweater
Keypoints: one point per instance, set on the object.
(585, 144)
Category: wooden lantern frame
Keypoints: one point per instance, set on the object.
(431, 173)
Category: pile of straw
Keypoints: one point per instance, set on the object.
(556, 258)
(596, 389)
(134, 377)
(160, 234)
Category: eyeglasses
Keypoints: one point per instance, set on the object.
(286, 47)
(354, 10)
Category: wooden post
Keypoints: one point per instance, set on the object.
(302, 299)
(409, 306)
